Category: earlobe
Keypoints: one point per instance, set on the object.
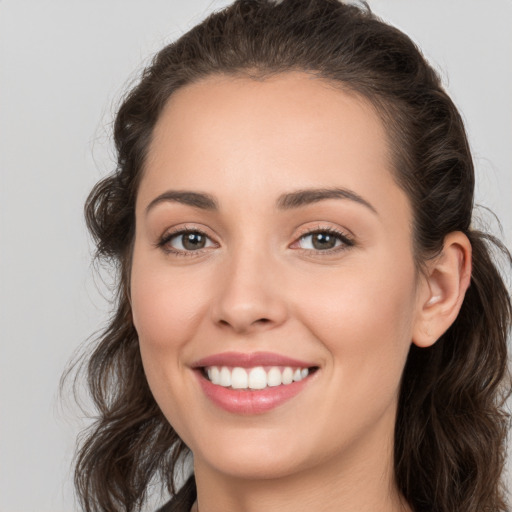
(443, 289)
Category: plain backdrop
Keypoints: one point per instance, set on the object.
(64, 64)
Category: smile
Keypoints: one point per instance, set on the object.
(258, 377)
(252, 383)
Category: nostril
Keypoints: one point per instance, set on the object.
(245, 313)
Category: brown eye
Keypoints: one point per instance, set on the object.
(186, 241)
(324, 240)
(193, 241)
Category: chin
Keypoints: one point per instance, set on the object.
(256, 468)
(255, 456)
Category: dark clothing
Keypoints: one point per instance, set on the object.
(184, 500)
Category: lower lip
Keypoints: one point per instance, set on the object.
(250, 401)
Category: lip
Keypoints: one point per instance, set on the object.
(249, 360)
(247, 402)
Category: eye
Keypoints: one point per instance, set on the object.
(324, 240)
(185, 241)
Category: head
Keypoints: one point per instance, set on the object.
(362, 82)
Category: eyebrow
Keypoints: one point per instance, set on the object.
(288, 201)
(195, 199)
(313, 195)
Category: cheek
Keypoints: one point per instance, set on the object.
(166, 308)
(364, 320)
(166, 312)
(363, 315)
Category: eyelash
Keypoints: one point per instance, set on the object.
(346, 241)
(167, 237)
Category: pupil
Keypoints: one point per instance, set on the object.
(193, 241)
(323, 241)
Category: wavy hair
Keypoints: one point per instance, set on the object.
(452, 423)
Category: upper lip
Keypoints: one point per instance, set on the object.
(250, 360)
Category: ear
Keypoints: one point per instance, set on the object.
(442, 290)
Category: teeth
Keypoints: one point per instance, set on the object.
(274, 377)
(214, 374)
(239, 378)
(287, 375)
(255, 378)
(225, 378)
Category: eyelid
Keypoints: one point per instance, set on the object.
(170, 233)
(346, 237)
(318, 227)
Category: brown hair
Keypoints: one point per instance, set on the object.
(451, 427)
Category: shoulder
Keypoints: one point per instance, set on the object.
(183, 501)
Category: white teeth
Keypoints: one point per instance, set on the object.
(274, 377)
(255, 378)
(214, 374)
(287, 375)
(225, 377)
(239, 378)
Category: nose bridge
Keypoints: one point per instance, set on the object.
(249, 296)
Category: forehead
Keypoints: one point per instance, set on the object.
(237, 137)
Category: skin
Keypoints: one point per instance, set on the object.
(260, 285)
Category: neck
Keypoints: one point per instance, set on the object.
(336, 485)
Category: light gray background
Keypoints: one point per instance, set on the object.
(63, 66)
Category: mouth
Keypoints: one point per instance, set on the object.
(252, 383)
(255, 378)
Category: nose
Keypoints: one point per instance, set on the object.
(251, 296)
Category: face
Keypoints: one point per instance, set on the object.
(273, 253)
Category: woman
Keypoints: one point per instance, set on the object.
(303, 302)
